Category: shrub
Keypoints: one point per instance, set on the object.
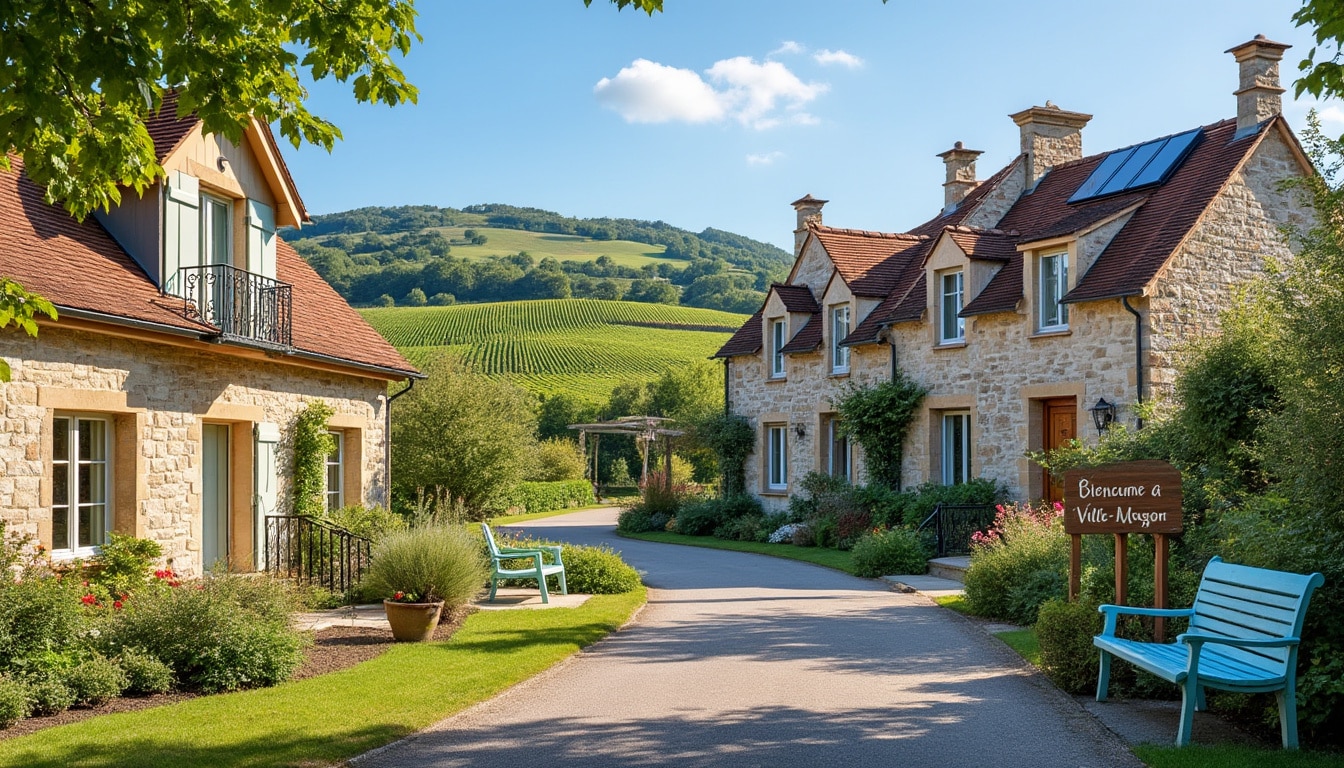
(636, 519)
(804, 536)
(1026, 597)
(1065, 632)
(38, 614)
(850, 526)
(700, 518)
(370, 522)
(558, 459)
(1023, 542)
(48, 694)
(124, 563)
(547, 496)
(753, 527)
(597, 571)
(145, 674)
(785, 533)
(95, 680)
(222, 633)
(899, 550)
(13, 701)
(912, 507)
(436, 563)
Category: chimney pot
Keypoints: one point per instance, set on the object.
(809, 212)
(960, 164)
(1050, 136)
(1259, 95)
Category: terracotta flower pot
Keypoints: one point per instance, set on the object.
(412, 622)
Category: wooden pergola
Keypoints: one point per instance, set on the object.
(644, 429)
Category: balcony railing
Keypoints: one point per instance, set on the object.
(244, 306)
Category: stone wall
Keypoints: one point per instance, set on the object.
(159, 396)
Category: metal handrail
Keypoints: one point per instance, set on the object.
(954, 524)
(312, 551)
(243, 305)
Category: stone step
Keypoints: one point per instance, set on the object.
(952, 568)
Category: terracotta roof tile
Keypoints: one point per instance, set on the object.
(796, 298)
(871, 263)
(166, 128)
(935, 225)
(868, 329)
(912, 305)
(987, 244)
(746, 341)
(78, 265)
(807, 339)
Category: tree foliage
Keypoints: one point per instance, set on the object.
(877, 418)
(464, 434)
(20, 308)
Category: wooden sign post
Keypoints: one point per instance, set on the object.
(1120, 499)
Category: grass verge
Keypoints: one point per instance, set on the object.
(831, 558)
(329, 719)
(1197, 756)
(529, 516)
(955, 603)
(1024, 642)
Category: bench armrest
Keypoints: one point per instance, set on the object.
(1113, 613)
(1196, 639)
(527, 551)
(514, 553)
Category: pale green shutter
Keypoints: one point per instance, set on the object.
(181, 228)
(260, 239)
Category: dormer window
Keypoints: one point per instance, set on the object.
(951, 327)
(778, 338)
(1052, 282)
(839, 330)
(216, 230)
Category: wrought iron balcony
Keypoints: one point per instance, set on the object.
(244, 306)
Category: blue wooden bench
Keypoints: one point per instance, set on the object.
(539, 569)
(1245, 628)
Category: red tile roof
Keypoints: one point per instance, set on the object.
(166, 128)
(808, 338)
(747, 340)
(973, 198)
(80, 266)
(912, 305)
(987, 244)
(796, 298)
(870, 263)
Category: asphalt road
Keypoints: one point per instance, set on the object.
(744, 660)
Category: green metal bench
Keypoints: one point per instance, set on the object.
(1245, 628)
(539, 569)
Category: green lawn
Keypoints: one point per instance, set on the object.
(1196, 756)
(329, 719)
(505, 242)
(831, 558)
(1024, 642)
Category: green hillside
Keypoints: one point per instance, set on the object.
(541, 245)
(584, 347)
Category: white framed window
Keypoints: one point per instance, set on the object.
(956, 448)
(81, 501)
(838, 463)
(777, 457)
(951, 327)
(839, 330)
(335, 493)
(778, 338)
(1052, 282)
(216, 230)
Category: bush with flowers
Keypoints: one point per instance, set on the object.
(1019, 563)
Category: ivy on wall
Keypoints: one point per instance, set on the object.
(312, 445)
(732, 439)
(878, 418)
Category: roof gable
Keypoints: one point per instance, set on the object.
(746, 341)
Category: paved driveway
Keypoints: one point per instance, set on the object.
(745, 660)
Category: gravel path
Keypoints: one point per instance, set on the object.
(744, 660)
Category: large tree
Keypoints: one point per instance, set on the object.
(79, 78)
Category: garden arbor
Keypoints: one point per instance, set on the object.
(644, 429)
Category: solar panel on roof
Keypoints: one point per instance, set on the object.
(1142, 165)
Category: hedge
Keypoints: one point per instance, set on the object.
(544, 497)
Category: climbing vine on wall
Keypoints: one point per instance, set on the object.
(732, 439)
(878, 418)
(312, 445)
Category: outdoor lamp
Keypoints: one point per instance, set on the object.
(800, 430)
(1103, 414)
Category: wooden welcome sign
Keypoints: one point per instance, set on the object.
(1120, 499)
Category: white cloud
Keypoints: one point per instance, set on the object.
(788, 46)
(838, 57)
(1331, 115)
(757, 94)
(764, 158)
(649, 92)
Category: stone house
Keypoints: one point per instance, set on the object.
(1061, 283)
(189, 337)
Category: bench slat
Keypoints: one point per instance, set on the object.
(1263, 579)
(1266, 656)
(1274, 601)
(1244, 615)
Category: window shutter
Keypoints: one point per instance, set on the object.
(260, 239)
(181, 228)
(266, 497)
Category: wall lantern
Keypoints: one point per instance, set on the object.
(800, 430)
(1103, 415)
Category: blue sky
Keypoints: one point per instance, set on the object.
(718, 113)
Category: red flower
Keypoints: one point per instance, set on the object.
(399, 596)
(116, 604)
(89, 600)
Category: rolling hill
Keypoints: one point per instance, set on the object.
(584, 347)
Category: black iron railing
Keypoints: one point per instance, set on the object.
(954, 524)
(311, 551)
(243, 305)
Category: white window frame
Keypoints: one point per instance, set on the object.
(839, 330)
(208, 213)
(776, 457)
(778, 338)
(840, 462)
(956, 472)
(335, 498)
(951, 297)
(70, 466)
(1051, 314)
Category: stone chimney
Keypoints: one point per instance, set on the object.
(1259, 95)
(809, 210)
(1050, 136)
(960, 164)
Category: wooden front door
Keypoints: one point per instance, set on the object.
(1059, 425)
